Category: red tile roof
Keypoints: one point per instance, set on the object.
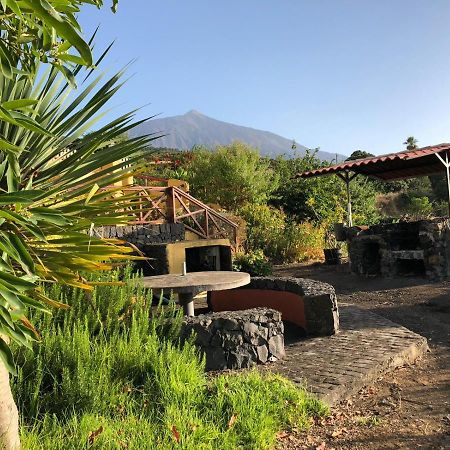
(404, 164)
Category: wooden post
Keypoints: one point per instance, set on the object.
(170, 205)
(446, 163)
(349, 202)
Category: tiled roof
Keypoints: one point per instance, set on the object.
(405, 164)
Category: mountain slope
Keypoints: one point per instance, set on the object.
(194, 128)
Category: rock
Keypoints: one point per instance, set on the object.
(263, 353)
(276, 346)
(215, 358)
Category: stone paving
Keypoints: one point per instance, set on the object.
(337, 366)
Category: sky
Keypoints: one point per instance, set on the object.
(341, 75)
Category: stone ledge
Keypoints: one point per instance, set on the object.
(311, 305)
(237, 339)
(301, 286)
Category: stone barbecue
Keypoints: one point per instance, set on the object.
(420, 249)
(237, 339)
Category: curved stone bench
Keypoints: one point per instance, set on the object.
(236, 339)
(309, 304)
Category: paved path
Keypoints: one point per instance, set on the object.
(366, 347)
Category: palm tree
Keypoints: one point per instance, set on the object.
(411, 143)
(56, 184)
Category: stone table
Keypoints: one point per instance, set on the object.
(186, 286)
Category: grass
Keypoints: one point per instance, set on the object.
(369, 421)
(110, 374)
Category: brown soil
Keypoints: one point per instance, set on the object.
(408, 408)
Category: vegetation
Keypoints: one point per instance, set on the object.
(231, 176)
(55, 179)
(253, 262)
(105, 376)
(289, 218)
(34, 31)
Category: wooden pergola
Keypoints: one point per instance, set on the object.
(394, 166)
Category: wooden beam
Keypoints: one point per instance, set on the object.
(446, 163)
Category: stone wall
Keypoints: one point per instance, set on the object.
(420, 248)
(141, 235)
(239, 339)
(309, 304)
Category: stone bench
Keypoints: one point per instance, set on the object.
(309, 304)
(238, 339)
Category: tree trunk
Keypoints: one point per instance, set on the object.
(9, 416)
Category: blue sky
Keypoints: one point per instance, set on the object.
(338, 74)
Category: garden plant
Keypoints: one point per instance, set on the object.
(55, 179)
(111, 373)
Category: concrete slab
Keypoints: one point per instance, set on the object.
(366, 347)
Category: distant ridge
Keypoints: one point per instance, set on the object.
(194, 128)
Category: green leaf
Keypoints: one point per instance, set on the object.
(70, 58)
(5, 314)
(12, 299)
(7, 146)
(15, 283)
(50, 216)
(52, 19)
(18, 336)
(19, 104)
(7, 357)
(26, 261)
(33, 303)
(5, 61)
(68, 74)
(25, 197)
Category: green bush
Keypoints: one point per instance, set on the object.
(230, 176)
(110, 373)
(301, 242)
(264, 228)
(255, 263)
(281, 239)
(420, 207)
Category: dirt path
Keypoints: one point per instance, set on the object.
(409, 408)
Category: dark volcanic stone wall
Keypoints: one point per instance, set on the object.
(141, 235)
(237, 339)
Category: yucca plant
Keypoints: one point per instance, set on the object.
(54, 177)
(56, 186)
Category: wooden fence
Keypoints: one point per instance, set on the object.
(159, 204)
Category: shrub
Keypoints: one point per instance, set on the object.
(280, 239)
(302, 242)
(420, 207)
(231, 176)
(255, 263)
(265, 226)
(111, 374)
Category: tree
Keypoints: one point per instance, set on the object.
(320, 199)
(55, 180)
(359, 154)
(317, 199)
(411, 143)
(231, 176)
(34, 31)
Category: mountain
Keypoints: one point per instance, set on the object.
(194, 128)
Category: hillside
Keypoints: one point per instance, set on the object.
(194, 128)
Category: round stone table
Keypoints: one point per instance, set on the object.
(186, 286)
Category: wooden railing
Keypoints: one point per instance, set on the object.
(159, 204)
